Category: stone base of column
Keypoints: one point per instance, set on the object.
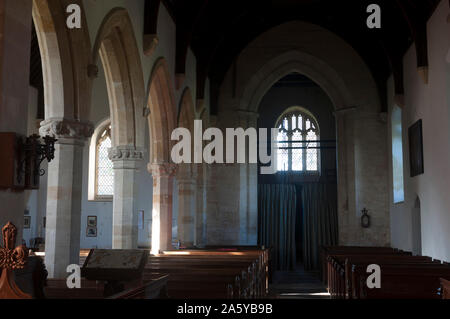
(186, 206)
(163, 176)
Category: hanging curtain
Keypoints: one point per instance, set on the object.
(277, 209)
(320, 222)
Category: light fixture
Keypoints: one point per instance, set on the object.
(33, 151)
(365, 218)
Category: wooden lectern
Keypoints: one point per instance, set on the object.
(11, 258)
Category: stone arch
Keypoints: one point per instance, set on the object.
(117, 48)
(295, 61)
(67, 87)
(65, 55)
(348, 82)
(162, 119)
(186, 114)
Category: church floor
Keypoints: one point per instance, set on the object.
(297, 284)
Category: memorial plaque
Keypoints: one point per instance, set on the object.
(114, 264)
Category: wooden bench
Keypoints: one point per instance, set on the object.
(213, 273)
(57, 289)
(444, 290)
(402, 275)
(403, 282)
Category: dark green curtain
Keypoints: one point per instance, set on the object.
(277, 209)
(320, 222)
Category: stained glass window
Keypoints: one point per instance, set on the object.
(298, 142)
(104, 166)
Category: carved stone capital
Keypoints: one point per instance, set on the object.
(125, 153)
(163, 169)
(62, 128)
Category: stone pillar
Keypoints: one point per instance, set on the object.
(62, 238)
(248, 208)
(371, 178)
(343, 170)
(186, 205)
(200, 218)
(163, 176)
(126, 161)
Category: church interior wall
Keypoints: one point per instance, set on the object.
(229, 189)
(364, 165)
(429, 102)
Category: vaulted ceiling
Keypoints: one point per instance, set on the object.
(218, 30)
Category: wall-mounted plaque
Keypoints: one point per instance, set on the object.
(416, 149)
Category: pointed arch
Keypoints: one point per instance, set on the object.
(67, 87)
(162, 119)
(116, 46)
(300, 62)
(186, 115)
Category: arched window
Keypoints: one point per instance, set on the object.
(397, 155)
(104, 175)
(297, 141)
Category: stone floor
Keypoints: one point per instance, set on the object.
(297, 284)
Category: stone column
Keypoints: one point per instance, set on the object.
(248, 208)
(163, 175)
(186, 205)
(126, 161)
(200, 218)
(62, 238)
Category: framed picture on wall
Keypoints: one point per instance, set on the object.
(92, 221)
(27, 222)
(416, 149)
(91, 232)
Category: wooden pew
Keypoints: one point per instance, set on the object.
(327, 251)
(336, 261)
(403, 282)
(57, 289)
(444, 290)
(352, 283)
(213, 273)
(151, 288)
(402, 275)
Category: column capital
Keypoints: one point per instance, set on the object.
(125, 153)
(125, 156)
(162, 169)
(66, 129)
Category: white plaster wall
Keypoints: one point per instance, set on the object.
(430, 103)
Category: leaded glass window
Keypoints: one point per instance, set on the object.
(104, 167)
(298, 142)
